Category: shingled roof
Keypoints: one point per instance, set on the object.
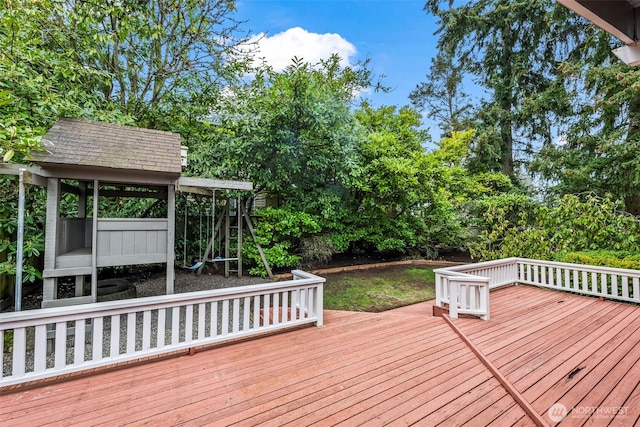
(88, 143)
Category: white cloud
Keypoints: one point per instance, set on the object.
(279, 49)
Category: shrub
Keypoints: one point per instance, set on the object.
(605, 258)
(317, 248)
(567, 224)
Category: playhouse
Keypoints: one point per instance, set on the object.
(86, 162)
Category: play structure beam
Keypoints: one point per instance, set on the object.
(185, 181)
(255, 239)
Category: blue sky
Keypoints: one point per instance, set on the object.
(396, 35)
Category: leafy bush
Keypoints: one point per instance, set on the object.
(317, 248)
(277, 232)
(567, 224)
(33, 243)
(604, 258)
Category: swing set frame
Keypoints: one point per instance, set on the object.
(243, 220)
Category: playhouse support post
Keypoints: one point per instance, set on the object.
(20, 243)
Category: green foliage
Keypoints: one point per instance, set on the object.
(604, 258)
(276, 231)
(395, 187)
(568, 224)
(441, 96)
(33, 233)
(510, 49)
(39, 78)
(497, 219)
(290, 133)
(8, 342)
(600, 150)
(316, 248)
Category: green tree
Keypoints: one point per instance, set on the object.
(510, 48)
(600, 149)
(162, 57)
(290, 132)
(441, 97)
(397, 192)
(40, 80)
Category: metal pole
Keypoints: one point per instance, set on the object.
(184, 234)
(213, 224)
(20, 243)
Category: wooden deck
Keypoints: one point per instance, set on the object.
(395, 368)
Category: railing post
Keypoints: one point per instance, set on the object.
(454, 290)
(485, 300)
(439, 280)
(319, 304)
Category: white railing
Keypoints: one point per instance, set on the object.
(55, 341)
(471, 293)
(610, 283)
(468, 285)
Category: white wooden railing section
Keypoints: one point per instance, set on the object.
(55, 341)
(469, 284)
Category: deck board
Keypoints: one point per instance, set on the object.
(401, 367)
(577, 351)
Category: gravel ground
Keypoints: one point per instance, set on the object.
(188, 281)
(146, 285)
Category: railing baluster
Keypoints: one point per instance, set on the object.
(78, 345)
(246, 312)
(214, 319)
(97, 337)
(266, 319)
(285, 307)
(202, 307)
(40, 349)
(625, 287)
(188, 323)
(236, 316)
(131, 333)
(19, 351)
(256, 312)
(636, 288)
(295, 294)
(115, 335)
(225, 317)
(276, 308)
(521, 267)
(61, 345)
(175, 325)
(146, 330)
(161, 327)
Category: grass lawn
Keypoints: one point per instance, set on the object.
(379, 289)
